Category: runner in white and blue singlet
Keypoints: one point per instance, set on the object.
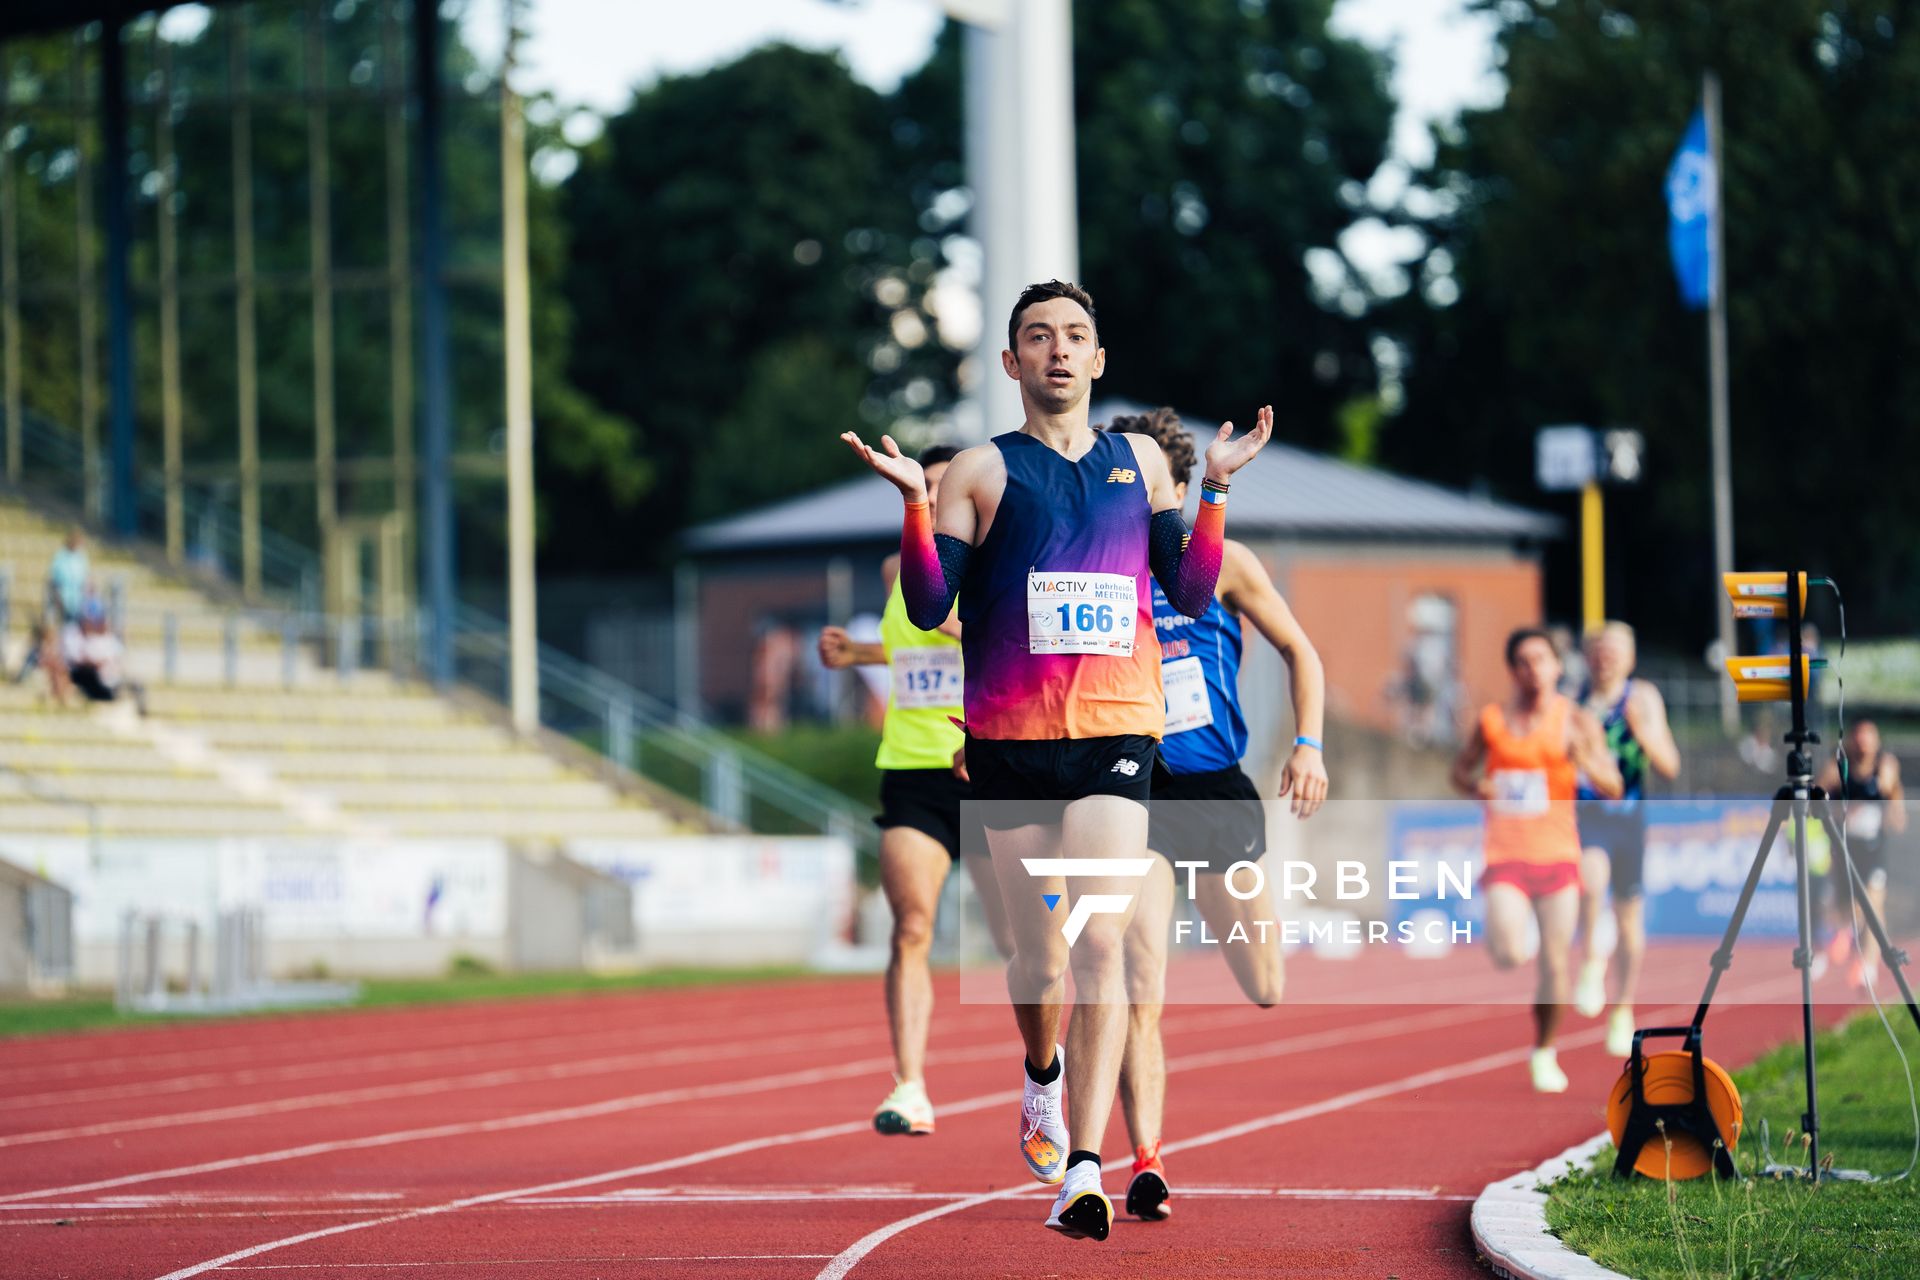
(1205, 809)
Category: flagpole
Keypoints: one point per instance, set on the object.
(1717, 375)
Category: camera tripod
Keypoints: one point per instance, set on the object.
(1795, 803)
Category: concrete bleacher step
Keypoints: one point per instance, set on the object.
(319, 767)
(54, 725)
(150, 820)
(574, 795)
(267, 742)
(150, 789)
(240, 735)
(59, 759)
(290, 707)
(625, 823)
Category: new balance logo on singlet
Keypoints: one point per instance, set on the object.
(1120, 475)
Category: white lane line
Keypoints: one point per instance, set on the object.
(1386, 1027)
(499, 1078)
(551, 1116)
(851, 1256)
(525, 1120)
(645, 1197)
(444, 1033)
(527, 1262)
(539, 1035)
(179, 1199)
(744, 1195)
(556, 1045)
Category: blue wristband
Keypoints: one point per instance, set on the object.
(1304, 741)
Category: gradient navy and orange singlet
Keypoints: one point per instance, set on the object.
(1056, 609)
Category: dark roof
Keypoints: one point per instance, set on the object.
(1287, 491)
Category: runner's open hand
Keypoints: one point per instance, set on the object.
(903, 471)
(1305, 779)
(1224, 456)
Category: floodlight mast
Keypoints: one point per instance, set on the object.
(1020, 152)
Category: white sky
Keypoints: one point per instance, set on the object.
(593, 52)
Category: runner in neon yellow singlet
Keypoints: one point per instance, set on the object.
(920, 798)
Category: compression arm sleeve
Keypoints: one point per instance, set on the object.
(1188, 567)
(931, 567)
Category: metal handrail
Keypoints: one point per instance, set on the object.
(287, 568)
(630, 711)
(735, 780)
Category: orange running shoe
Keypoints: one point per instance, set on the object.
(1148, 1196)
(1043, 1126)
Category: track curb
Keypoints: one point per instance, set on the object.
(1510, 1224)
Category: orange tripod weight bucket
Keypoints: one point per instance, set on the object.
(1678, 1097)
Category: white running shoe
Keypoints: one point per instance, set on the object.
(1043, 1124)
(1082, 1211)
(1547, 1075)
(1590, 992)
(1620, 1031)
(906, 1110)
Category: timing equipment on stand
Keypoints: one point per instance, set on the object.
(1680, 1096)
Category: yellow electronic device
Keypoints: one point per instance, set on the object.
(1762, 595)
(1764, 679)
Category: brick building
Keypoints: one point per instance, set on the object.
(1407, 589)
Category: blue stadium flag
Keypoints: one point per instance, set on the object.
(1693, 202)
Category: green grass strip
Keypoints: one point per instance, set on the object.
(1765, 1228)
(87, 1011)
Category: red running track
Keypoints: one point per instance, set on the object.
(724, 1133)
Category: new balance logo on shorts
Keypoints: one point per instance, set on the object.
(1121, 475)
(1127, 767)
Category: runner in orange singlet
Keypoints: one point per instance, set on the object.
(1533, 749)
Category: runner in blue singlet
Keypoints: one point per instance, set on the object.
(1205, 809)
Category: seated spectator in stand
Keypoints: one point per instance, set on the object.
(67, 578)
(96, 660)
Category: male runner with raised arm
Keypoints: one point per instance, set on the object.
(1206, 809)
(920, 798)
(1534, 747)
(1051, 535)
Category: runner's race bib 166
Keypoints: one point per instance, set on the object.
(1081, 613)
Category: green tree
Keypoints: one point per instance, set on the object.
(749, 268)
(1219, 141)
(1547, 295)
(587, 457)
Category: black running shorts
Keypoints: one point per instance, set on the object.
(1623, 837)
(926, 800)
(1215, 817)
(1024, 783)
